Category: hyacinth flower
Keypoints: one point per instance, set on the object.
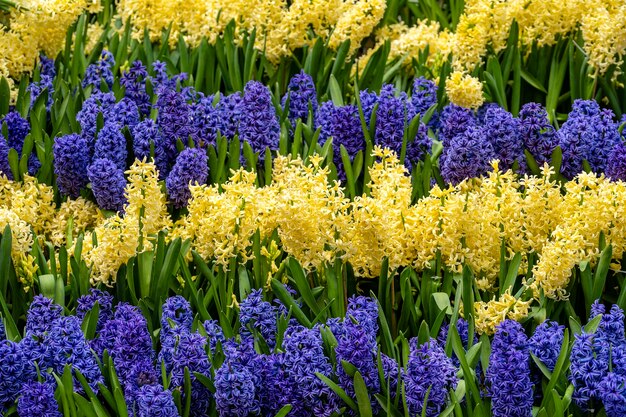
(37, 399)
(368, 101)
(87, 302)
(344, 126)
(608, 138)
(66, 345)
(258, 314)
(615, 164)
(598, 363)
(391, 118)
(191, 168)
(17, 130)
(611, 391)
(125, 113)
(160, 79)
(130, 342)
(428, 368)
(134, 83)
(215, 334)
(174, 120)
(101, 71)
(230, 111)
(508, 374)
(47, 73)
(14, 372)
(258, 124)
(589, 134)
(453, 122)
(303, 358)
(358, 347)
(71, 158)
(546, 341)
(237, 380)
(611, 327)
(154, 401)
(41, 316)
(206, 122)
(190, 354)
(462, 328)
(537, 134)
(466, 155)
(176, 318)
(302, 98)
(365, 311)
(107, 183)
(98, 103)
(148, 136)
(589, 365)
(502, 131)
(111, 145)
(5, 168)
(423, 97)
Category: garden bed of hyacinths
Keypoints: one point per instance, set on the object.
(312, 208)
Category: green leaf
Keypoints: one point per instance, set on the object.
(5, 96)
(593, 324)
(362, 397)
(303, 286)
(530, 79)
(286, 298)
(284, 411)
(90, 322)
(335, 91)
(512, 272)
(339, 391)
(556, 159)
(14, 164)
(602, 271)
(560, 365)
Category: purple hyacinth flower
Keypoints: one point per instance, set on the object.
(508, 374)
(71, 157)
(258, 124)
(467, 155)
(191, 167)
(108, 184)
(537, 134)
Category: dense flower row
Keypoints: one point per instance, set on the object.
(98, 154)
(272, 362)
(314, 222)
